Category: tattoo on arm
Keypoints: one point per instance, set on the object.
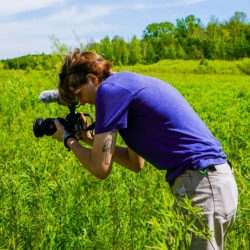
(106, 149)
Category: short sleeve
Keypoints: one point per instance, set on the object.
(112, 103)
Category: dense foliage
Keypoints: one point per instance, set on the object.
(188, 39)
(38, 62)
(49, 201)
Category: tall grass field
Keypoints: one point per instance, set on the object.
(49, 201)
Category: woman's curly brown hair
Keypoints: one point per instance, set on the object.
(74, 73)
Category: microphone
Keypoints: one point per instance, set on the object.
(49, 96)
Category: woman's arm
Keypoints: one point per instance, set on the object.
(98, 160)
(124, 156)
(127, 158)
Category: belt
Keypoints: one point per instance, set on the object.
(225, 167)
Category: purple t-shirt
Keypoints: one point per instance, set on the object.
(155, 121)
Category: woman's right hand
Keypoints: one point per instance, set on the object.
(85, 136)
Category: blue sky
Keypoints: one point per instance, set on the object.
(25, 25)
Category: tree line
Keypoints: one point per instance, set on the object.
(187, 39)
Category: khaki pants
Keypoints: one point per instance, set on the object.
(216, 192)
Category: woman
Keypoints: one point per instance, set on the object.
(158, 125)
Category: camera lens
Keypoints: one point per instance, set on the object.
(37, 127)
(44, 127)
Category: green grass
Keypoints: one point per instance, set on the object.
(194, 66)
(48, 200)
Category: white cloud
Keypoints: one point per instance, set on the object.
(59, 24)
(187, 2)
(12, 7)
(77, 15)
(33, 33)
(165, 5)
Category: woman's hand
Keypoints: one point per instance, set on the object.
(85, 136)
(59, 132)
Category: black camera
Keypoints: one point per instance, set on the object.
(72, 123)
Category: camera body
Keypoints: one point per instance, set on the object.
(72, 123)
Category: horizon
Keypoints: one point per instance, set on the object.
(26, 26)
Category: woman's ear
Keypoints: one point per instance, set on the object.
(93, 78)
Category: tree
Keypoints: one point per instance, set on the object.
(155, 30)
(149, 51)
(237, 28)
(120, 51)
(106, 49)
(160, 38)
(211, 44)
(134, 51)
(94, 47)
(189, 35)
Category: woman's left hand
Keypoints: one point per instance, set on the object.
(59, 132)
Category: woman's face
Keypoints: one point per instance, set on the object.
(87, 93)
